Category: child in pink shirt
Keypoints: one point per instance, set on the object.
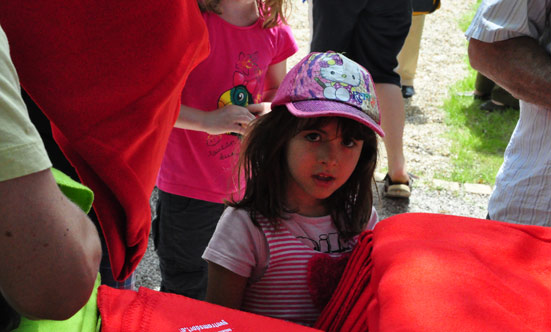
(249, 46)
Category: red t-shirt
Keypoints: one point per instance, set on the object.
(109, 75)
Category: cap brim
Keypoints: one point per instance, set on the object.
(319, 108)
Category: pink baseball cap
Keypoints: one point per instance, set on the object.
(330, 84)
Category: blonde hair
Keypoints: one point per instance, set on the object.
(272, 11)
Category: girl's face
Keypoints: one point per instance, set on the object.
(320, 161)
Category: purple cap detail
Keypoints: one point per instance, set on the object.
(330, 84)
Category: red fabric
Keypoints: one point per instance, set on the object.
(435, 272)
(109, 74)
(148, 310)
(324, 274)
(352, 286)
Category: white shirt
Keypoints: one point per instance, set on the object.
(522, 192)
(242, 248)
(21, 149)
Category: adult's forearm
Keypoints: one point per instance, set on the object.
(520, 65)
(50, 249)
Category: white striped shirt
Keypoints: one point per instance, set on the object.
(259, 255)
(283, 290)
(523, 184)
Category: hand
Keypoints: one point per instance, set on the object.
(228, 119)
(259, 109)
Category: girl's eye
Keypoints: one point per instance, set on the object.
(348, 142)
(313, 137)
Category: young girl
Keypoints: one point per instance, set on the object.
(249, 45)
(308, 167)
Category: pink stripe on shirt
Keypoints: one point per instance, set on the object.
(283, 291)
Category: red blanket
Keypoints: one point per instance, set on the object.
(430, 272)
(109, 74)
(148, 310)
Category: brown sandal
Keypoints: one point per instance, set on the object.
(397, 189)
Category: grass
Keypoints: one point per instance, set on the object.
(479, 138)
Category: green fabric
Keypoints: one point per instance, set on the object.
(75, 191)
(86, 319)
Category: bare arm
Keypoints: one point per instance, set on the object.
(225, 287)
(50, 249)
(520, 65)
(230, 118)
(274, 76)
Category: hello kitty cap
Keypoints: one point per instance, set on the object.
(330, 84)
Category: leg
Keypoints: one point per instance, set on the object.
(393, 122)
(483, 87)
(503, 97)
(500, 98)
(378, 40)
(409, 55)
(182, 230)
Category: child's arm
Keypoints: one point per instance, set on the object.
(274, 76)
(230, 118)
(225, 287)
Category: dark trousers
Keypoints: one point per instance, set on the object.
(486, 86)
(181, 232)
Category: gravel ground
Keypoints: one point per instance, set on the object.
(441, 63)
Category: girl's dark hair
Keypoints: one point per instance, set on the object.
(263, 164)
(273, 11)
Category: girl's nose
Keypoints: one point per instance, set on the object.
(329, 153)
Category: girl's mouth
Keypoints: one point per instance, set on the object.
(324, 178)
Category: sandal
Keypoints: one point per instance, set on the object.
(396, 189)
